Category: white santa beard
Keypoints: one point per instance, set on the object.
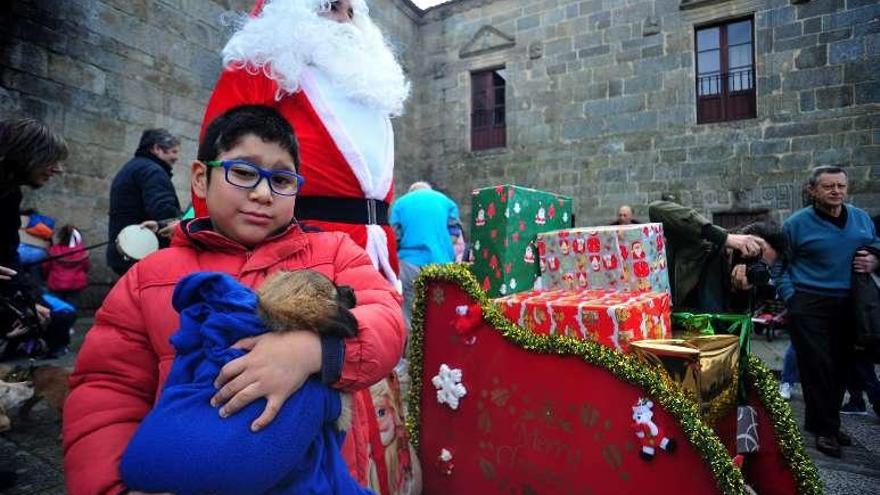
(289, 35)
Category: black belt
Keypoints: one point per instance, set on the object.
(358, 211)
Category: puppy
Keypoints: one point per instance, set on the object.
(307, 300)
(50, 383)
(11, 395)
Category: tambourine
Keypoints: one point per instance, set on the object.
(136, 242)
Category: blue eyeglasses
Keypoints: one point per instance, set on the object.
(244, 174)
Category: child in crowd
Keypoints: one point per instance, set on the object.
(250, 233)
(67, 271)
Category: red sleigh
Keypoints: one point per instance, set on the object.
(537, 414)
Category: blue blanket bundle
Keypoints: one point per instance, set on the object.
(183, 446)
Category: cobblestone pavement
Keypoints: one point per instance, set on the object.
(33, 448)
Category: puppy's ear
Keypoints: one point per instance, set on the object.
(345, 296)
(342, 324)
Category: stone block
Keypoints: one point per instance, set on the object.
(795, 43)
(845, 51)
(769, 147)
(633, 122)
(77, 74)
(615, 106)
(709, 153)
(867, 69)
(786, 31)
(583, 128)
(638, 143)
(794, 162)
(678, 116)
(810, 143)
(850, 17)
(652, 51)
(673, 156)
(529, 22)
(791, 130)
(594, 51)
(591, 7)
(833, 156)
(858, 138)
(807, 101)
(819, 7)
(866, 155)
(26, 57)
(815, 56)
(642, 84)
(615, 87)
(813, 25)
(764, 41)
(812, 78)
(628, 55)
(867, 92)
(556, 47)
(836, 35)
(834, 97)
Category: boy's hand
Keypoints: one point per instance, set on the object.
(275, 367)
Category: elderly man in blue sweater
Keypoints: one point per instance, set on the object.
(826, 241)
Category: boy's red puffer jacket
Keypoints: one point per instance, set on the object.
(127, 355)
(70, 273)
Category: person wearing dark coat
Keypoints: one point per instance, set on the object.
(30, 155)
(142, 191)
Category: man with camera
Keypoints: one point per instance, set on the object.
(710, 269)
(827, 243)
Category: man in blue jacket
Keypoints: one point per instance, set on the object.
(825, 241)
(142, 191)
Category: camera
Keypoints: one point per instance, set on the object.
(757, 270)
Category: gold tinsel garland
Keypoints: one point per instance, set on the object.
(627, 368)
(787, 433)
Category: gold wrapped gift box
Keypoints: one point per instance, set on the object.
(705, 367)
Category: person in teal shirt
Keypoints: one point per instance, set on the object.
(426, 223)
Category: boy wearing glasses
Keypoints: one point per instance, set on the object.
(247, 174)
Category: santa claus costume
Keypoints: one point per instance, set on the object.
(338, 84)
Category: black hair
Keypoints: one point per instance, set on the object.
(824, 169)
(227, 130)
(26, 145)
(157, 137)
(62, 236)
(770, 232)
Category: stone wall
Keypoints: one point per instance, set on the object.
(601, 102)
(100, 72)
(600, 97)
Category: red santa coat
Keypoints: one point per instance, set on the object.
(331, 163)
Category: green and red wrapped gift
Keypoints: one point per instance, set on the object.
(627, 258)
(611, 318)
(504, 222)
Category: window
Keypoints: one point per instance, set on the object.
(488, 128)
(725, 72)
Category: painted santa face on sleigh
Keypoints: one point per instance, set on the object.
(247, 216)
